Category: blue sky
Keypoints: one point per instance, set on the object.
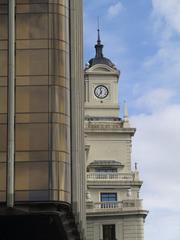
(142, 37)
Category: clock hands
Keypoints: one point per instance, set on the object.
(101, 91)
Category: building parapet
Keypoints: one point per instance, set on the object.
(125, 205)
(91, 126)
(112, 176)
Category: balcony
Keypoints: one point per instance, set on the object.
(112, 176)
(121, 206)
(108, 205)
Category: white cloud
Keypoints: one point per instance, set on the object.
(162, 67)
(155, 99)
(156, 149)
(115, 9)
(156, 143)
(168, 11)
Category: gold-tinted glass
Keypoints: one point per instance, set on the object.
(32, 99)
(32, 62)
(40, 155)
(3, 99)
(3, 63)
(42, 142)
(32, 176)
(2, 181)
(4, 23)
(31, 137)
(3, 134)
(32, 27)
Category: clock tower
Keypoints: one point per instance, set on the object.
(101, 85)
(114, 209)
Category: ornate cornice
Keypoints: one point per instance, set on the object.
(116, 126)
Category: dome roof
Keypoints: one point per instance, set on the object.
(99, 58)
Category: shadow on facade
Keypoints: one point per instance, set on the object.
(24, 223)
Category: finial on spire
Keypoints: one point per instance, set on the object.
(126, 117)
(135, 165)
(99, 39)
(125, 111)
(98, 30)
(98, 46)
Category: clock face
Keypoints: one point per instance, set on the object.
(101, 91)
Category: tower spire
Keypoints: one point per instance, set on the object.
(98, 39)
(99, 56)
(98, 30)
(98, 46)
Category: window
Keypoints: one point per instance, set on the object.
(109, 232)
(108, 197)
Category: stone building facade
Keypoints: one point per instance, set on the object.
(114, 208)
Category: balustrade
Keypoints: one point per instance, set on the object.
(122, 205)
(109, 176)
(107, 205)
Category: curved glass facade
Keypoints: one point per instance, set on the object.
(42, 105)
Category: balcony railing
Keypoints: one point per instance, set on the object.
(132, 204)
(107, 205)
(92, 176)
